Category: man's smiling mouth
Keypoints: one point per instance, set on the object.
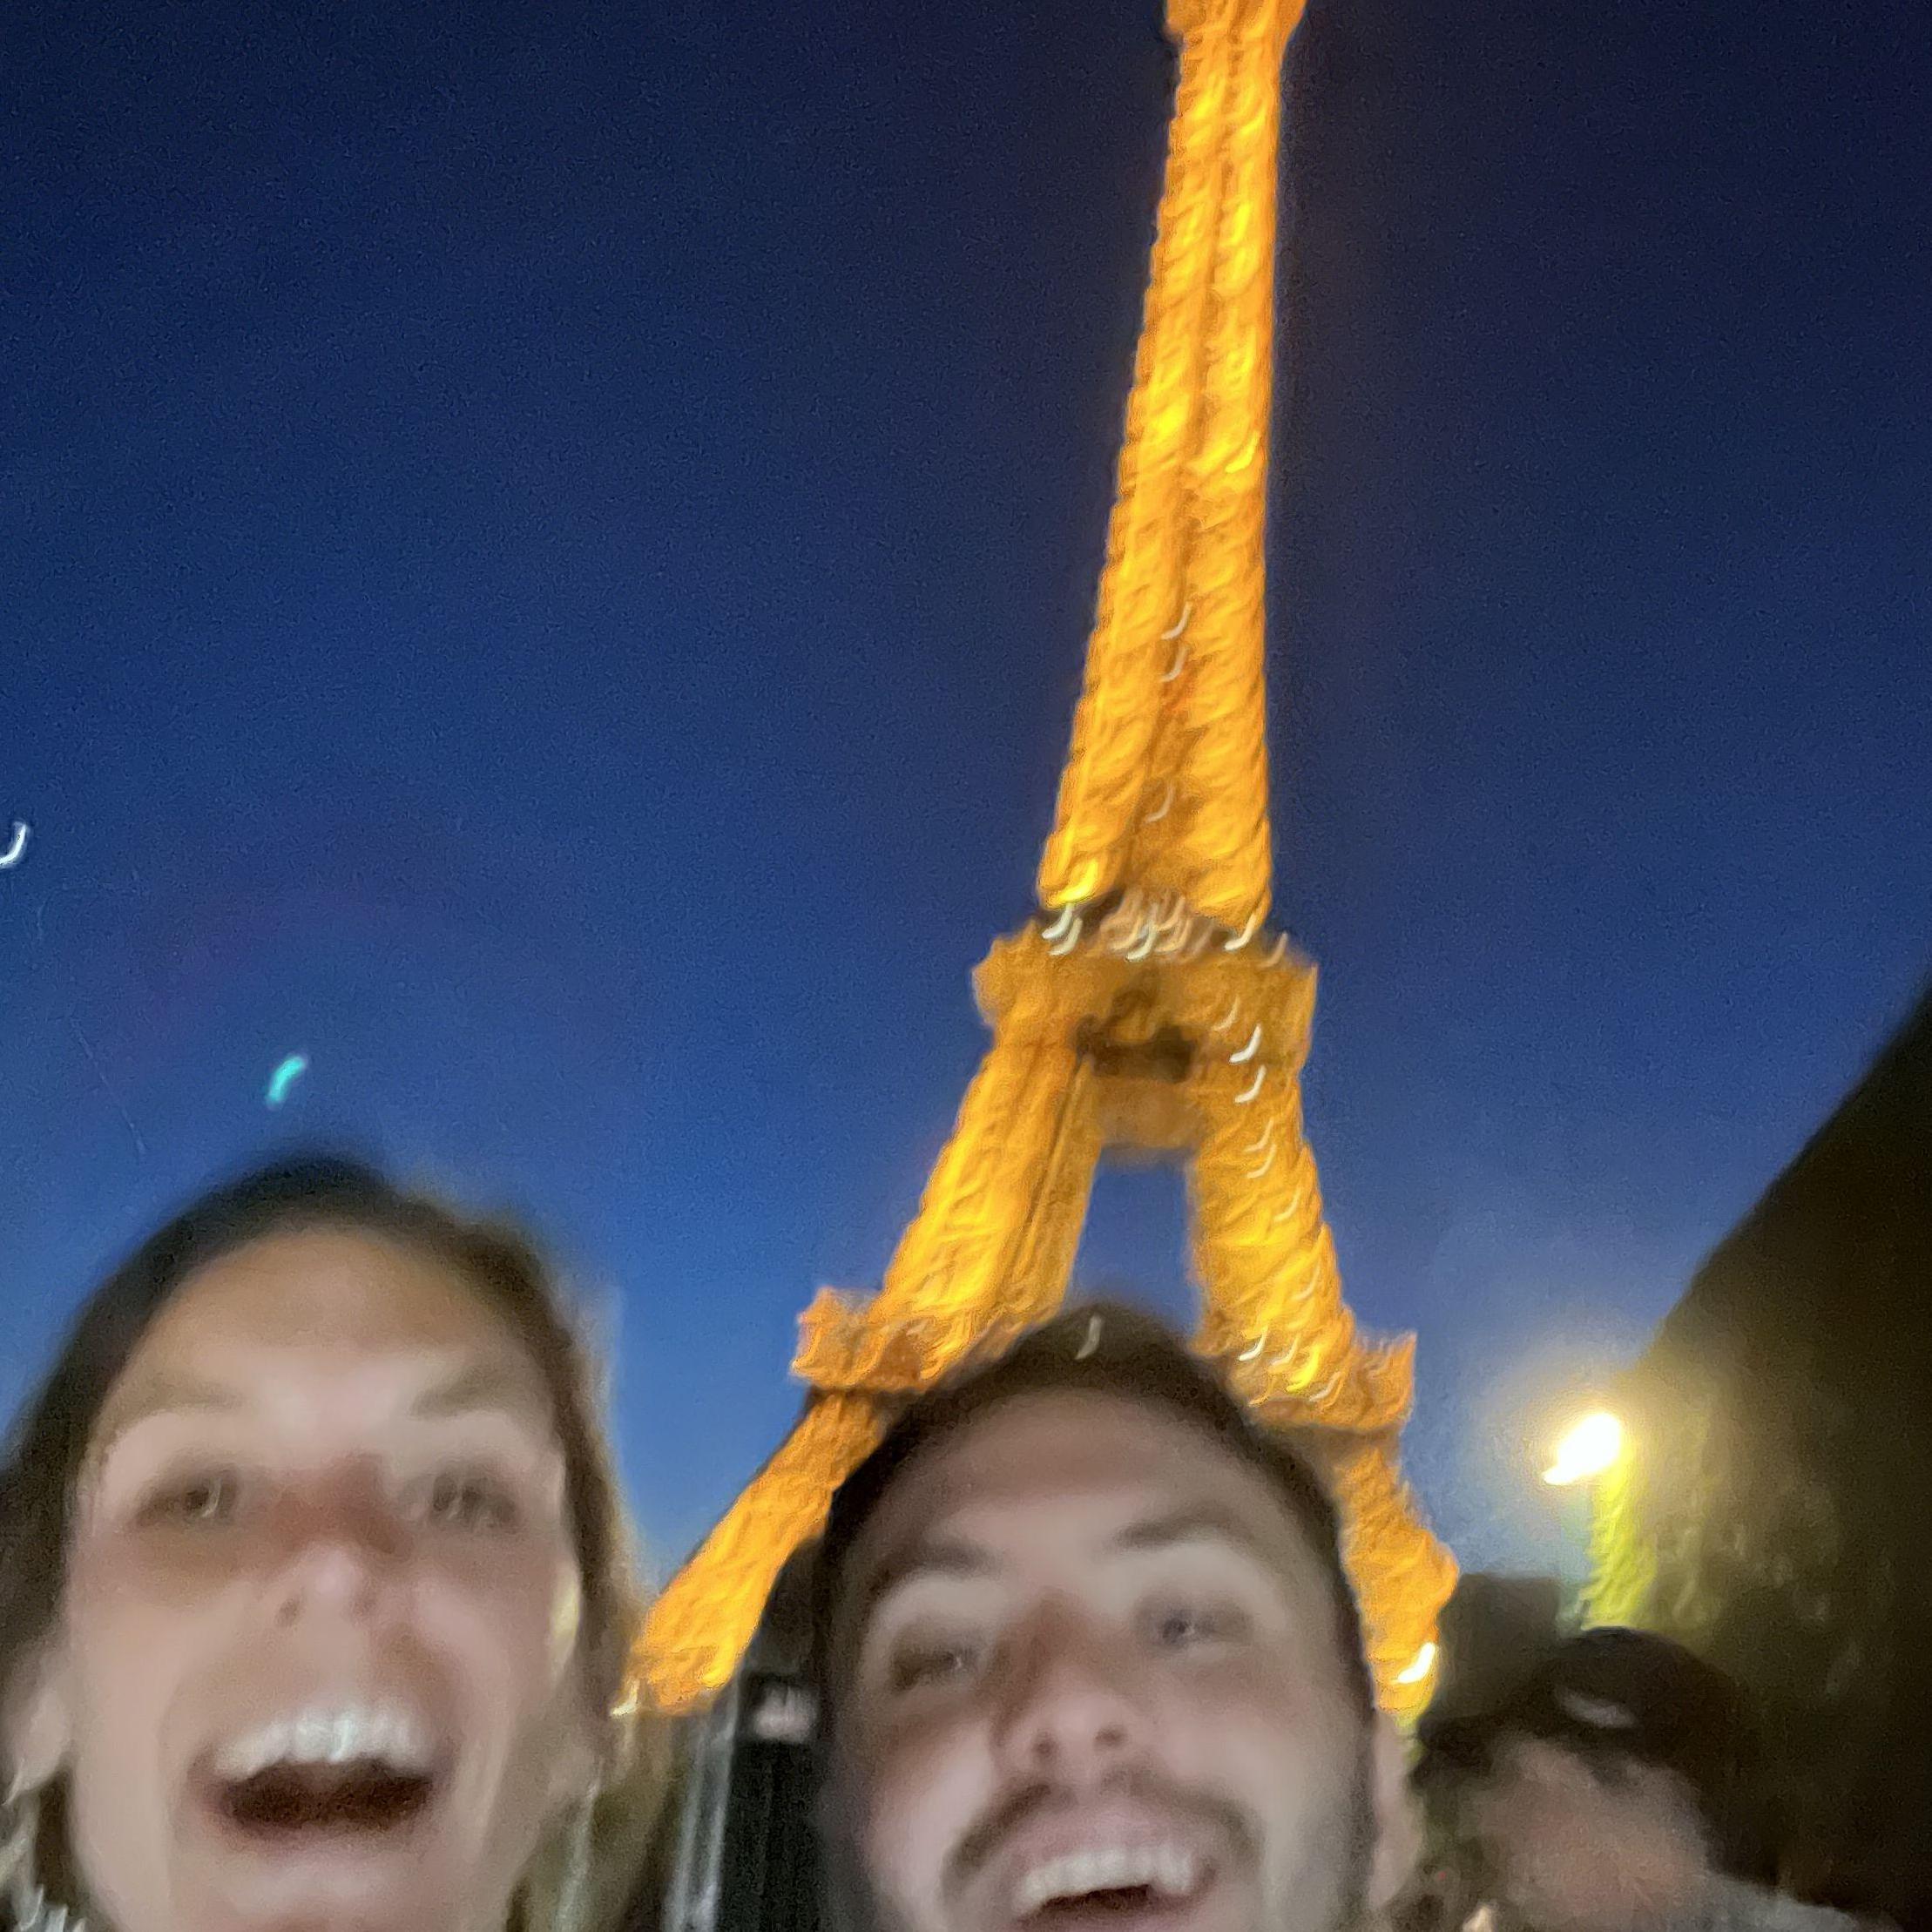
(1108, 1878)
(1105, 1882)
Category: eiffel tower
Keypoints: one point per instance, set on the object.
(1148, 1005)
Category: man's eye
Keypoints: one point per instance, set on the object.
(204, 1499)
(917, 1666)
(461, 1499)
(1189, 1626)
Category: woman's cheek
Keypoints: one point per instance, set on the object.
(518, 1619)
(566, 1617)
(122, 1577)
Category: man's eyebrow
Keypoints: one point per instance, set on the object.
(1199, 1522)
(929, 1556)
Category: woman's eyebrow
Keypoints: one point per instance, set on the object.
(158, 1394)
(163, 1395)
(507, 1386)
(503, 1386)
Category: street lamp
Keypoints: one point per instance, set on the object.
(1592, 1447)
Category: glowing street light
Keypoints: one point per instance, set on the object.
(1590, 1449)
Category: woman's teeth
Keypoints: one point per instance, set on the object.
(382, 1734)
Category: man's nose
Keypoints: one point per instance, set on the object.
(1070, 1709)
(339, 1546)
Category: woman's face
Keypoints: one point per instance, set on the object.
(316, 1662)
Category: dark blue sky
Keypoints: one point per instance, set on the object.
(545, 553)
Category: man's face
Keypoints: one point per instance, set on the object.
(1092, 1681)
(1587, 1847)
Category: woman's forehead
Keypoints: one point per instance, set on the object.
(323, 1302)
(328, 1286)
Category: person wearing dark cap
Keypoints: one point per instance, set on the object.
(1088, 1658)
(1619, 1789)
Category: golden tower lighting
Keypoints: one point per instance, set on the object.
(1149, 1004)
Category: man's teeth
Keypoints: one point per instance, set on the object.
(333, 1734)
(1170, 1870)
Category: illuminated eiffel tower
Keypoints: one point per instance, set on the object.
(1148, 1005)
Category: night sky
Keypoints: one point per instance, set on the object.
(545, 557)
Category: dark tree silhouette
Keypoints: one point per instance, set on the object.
(1775, 1513)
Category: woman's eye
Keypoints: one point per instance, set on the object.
(459, 1499)
(199, 1500)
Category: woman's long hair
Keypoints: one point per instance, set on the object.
(41, 1464)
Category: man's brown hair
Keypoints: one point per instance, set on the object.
(1097, 1347)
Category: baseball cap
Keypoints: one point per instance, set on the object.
(1616, 1695)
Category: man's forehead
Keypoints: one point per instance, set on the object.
(1093, 1466)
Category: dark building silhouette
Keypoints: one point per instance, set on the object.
(1776, 1512)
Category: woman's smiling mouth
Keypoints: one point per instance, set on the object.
(352, 1768)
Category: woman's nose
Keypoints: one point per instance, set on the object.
(340, 1545)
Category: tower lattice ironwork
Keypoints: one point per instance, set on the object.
(1149, 1004)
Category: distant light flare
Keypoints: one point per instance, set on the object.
(1420, 1665)
(284, 1078)
(1590, 1447)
